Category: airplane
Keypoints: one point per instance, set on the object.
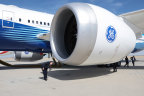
(78, 34)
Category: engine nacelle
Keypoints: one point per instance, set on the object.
(85, 34)
(27, 56)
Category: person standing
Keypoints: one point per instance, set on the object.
(45, 67)
(127, 62)
(115, 67)
(133, 60)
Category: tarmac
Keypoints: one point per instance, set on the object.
(72, 80)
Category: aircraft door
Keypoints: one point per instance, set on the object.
(7, 19)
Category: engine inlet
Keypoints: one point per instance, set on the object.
(70, 36)
(65, 35)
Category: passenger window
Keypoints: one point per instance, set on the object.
(19, 19)
(11, 18)
(36, 22)
(44, 23)
(48, 24)
(40, 23)
(28, 21)
(33, 21)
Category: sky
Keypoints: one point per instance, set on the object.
(50, 6)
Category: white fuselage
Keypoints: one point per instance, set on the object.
(20, 27)
(25, 16)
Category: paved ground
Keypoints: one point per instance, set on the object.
(73, 81)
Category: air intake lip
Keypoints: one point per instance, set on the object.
(76, 21)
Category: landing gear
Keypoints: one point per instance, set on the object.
(54, 60)
(56, 64)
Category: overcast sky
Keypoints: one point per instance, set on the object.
(50, 6)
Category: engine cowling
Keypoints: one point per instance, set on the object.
(85, 34)
(27, 56)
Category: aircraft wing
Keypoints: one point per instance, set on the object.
(135, 20)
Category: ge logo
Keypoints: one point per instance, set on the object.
(26, 52)
(110, 34)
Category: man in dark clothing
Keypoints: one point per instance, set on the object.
(127, 62)
(115, 67)
(133, 60)
(45, 67)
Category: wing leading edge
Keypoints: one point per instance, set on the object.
(136, 21)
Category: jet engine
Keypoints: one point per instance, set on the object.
(27, 56)
(85, 34)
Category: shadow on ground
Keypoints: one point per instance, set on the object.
(131, 67)
(11, 68)
(21, 66)
(75, 72)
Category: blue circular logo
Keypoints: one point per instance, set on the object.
(26, 52)
(110, 34)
